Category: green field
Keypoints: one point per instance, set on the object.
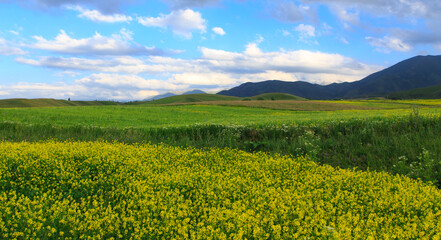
(174, 116)
(389, 148)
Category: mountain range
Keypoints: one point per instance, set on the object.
(413, 73)
(169, 94)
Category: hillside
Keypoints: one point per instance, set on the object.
(275, 96)
(48, 102)
(189, 98)
(169, 94)
(301, 89)
(419, 93)
(416, 72)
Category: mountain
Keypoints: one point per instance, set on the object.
(196, 91)
(419, 93)
(165, 95)
(301, 89)
(169, 94)
(275, 96)
(416, 72)
(192, 98)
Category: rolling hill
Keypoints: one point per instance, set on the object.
(275, 96)
(48, 102)
(190, 98)
(169, 94)
(416, 72)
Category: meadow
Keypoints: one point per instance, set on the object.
(371, 169)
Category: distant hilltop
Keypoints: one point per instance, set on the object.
(169, 94)
(414, 73)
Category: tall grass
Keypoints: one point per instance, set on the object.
(400, 145)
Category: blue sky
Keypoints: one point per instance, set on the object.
(131, 49)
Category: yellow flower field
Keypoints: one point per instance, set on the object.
(98, 190)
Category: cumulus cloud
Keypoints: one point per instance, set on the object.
(181, 22)
(7, 49)
(127, 82)
(305, 31)
(218, 31)
(100, 86)
(113, 65)
(220, 67)
(117, 44)
(96, 16)
(388, 44)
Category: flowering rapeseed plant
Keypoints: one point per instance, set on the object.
(98, 190)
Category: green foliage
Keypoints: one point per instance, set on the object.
(98, 190)
(373, 139)
(419, 93)
(275, 96)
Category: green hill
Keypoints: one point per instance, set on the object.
(189, 98)
(48, 102)
(275, 96)
(419, 93)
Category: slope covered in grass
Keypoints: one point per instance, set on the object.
(419, 93)
(48, 102)
(275, 96)
(191, 98)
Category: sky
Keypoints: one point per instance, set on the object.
(126, 50)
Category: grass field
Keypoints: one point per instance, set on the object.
(294, 162)
(172, 116)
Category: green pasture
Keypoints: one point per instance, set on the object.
(175, 116)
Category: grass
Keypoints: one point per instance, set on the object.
(392, 140)
(175, 116)
(433, 92)
(274, 96)
(151, 171)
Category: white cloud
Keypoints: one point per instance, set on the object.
(307, 33)
(118, 81)
(181, 22)
(14, 32)
(218, 31)
(388, 44)
(183, 4)
(204, 78)
(99, 86)
(343, 40)
(7, 49)
(213, 69)
(117, 44)
(286, 33)
(112, 65)
(96, 16)
(306, 30)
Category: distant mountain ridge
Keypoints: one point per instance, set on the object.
(416, 72)
(169, 94)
